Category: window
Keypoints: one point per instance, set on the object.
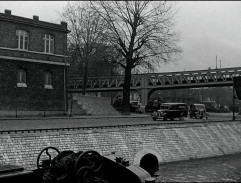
(48, 43)
(48, 80)
(22, 39)
(21, 78)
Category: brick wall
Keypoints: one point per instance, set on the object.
(167, 144)
(31, 98)
(36, 33)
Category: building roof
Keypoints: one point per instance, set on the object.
(7, 16)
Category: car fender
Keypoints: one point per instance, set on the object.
(155, 114)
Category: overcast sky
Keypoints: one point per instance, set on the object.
(207, 29)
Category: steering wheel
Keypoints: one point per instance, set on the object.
(46, 150)
(88, 167)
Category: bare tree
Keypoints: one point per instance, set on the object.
(142, 31)
(101, 60)
(87, 32)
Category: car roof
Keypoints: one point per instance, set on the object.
(199, 104)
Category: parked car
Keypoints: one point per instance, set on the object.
(223, 109)
(198, 111)
(134, 107)
(171, 111)
(153, 105)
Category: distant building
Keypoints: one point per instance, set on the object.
(32, 66)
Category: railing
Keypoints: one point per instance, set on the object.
(209, 77)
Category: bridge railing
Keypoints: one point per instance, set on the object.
(209, 77)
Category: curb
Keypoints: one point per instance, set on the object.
(76, 117)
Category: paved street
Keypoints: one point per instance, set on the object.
(220, 169)
(89, 121)
(71, 122)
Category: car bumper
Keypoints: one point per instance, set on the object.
(157, 115)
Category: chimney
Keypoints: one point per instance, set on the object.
(63, 23)
(36, 18)
(7, 12)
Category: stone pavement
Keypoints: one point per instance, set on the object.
(218, 169)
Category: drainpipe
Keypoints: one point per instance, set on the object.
(65, 77)
(16, 105)
(44, 102)
(65, 101)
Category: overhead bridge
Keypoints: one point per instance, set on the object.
(147, 83)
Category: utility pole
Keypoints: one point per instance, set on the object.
(220, 63)
(233, 104)
(216, 61)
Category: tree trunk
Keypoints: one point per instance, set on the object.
(85, 78)
(126, 91)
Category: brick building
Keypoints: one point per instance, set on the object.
(32, 66)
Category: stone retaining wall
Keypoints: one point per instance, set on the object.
(167, 144)
(91, 105)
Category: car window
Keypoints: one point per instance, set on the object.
(181, 107)
(164, 106)
(174, 107)
(171, 107)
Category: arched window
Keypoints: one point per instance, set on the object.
(22, 39)
(48, 80)
(21, 78)
(48, 43)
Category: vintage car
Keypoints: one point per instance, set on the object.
(198, 111)
(134, 106)
(171, 111)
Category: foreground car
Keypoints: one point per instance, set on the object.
(68, 166)
(171, 111)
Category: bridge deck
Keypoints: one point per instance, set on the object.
(185, 79)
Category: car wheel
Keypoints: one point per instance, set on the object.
(154, 119)
(181, 117)
(164, 118)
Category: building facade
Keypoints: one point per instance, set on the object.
(33, 66)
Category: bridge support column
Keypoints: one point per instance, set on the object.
(144, 96)
(144, 90)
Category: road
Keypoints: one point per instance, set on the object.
(90, 121)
